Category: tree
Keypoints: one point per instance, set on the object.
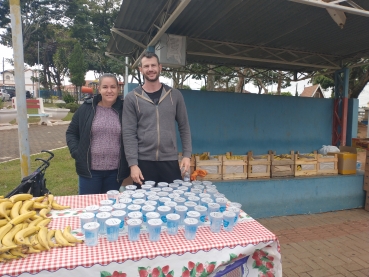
(77, 67)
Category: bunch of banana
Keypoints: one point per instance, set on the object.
(204, 156)
(282, 157)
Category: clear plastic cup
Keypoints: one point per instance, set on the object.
(228, 221)
(216, 220)
(151, 203)
(222, 202)
(152, 215)
(138, 195)
(173, 223)
(131, 187)
(135, 215)
(149, 193)
(190, 205)
(85, 218)
(174, 186)
(153, 198)
(212, 192)
(147, 209)
(119, 206)
(182, 211)
(173, 195)
(190, 228)
(184, 188)
(236, 211)
(113, 195)
(134, 227)
(139, 202)
(146, 187)
(151, 183)
(106, 202)
(124, 195)
(207, 183)
(235, 204)
(162, 184)
(204, 195)
(203, 213)
(206, 201)
(133, 208)
(101, 218)
(162, 200)
(108, 209)
(195, 199)
(121, 215)
(188, 194)
(162, 194)
(167, 189)
(156, 189)
(163, 211)
(188, 185)
(179, 200)
(195, 183)
(129, 192)
(178, 181)
(218, 195)
(213, 207)
(200, 187)
(170, 204)
(154, 228)
(178, 191)
(126, 201)
(196, 191)
(93, 209)
(91, 233)
(140, 191)
(112, 229)
(194, 214)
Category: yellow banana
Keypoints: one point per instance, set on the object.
(4, 230)
(22, 217)
(32, 250)
(57, 206)
(3, 209)
(4, 249)
(26, 207)
(35, 222)
(42, 237)
(3, 222)
(44, 212)
(39, 206)
(44, 222)
(35, 243)
(15, 209)
(19, 237)
(69, 237)
(5, 200)
(21, 197)
(50, 199)
(50, 235)
(8, 238)
(1, 196)
(17, 253)
(39, 199)
(7, 256)
(61, 240)
(25, 225)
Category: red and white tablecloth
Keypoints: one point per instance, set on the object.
(171, 256)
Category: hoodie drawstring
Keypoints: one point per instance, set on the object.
(138, 107)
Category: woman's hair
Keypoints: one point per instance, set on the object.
(107, 75)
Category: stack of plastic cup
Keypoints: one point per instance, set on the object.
(119, 206)
(85, 218)
(204, 195)
(108, 209)
(133, 208)
(190, 205)
(125, 201)
(194, 214)
(173, 223)
(138, 202)
(154, 228)
(151, 203)
(153, 198)
(188, 194)
(190, 228)
(101, 218)
(203, 213)
(174, 186)
(113, 195)
(163, 211)
(93, 209)
(151, 183)
(216, 220)
(162, 194)
(152, 215)
(121, 215)
(182, 211)
(162, 200)
(222, 202)
(147, 209)
(106, 202)
(228, 221)
(170, 204)
(206, 201)
(91, 233)
(195, 199)
(112, 229)
(131, 187)
(162, 184)
(196, 191)
(146, 187)
(167, 189)
(135, 215)
(138, 195)
(156, 189)
(134, 227)
(236, 211)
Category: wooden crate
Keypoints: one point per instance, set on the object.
(287, 164)
(202, 164)
(254, 161)
(330, 158)
(192, 162)
(304, 160)
(227, 163)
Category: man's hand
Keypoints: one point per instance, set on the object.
(136, 174)
(185, 165)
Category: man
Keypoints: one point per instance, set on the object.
(149, 135)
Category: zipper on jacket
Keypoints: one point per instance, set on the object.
(89, 145)
(158, 129)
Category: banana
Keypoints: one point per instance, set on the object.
(26, 207)
(19, 237)
(39, 199)
(25, 225)
(42, 237)
(4, 249)
(35, 243)
(22, 217)
(44, 222)
(69, 237)
(4, 200)
(4, 230)
(3, 222)
(50, 198)
(35, 222)
(44, 212)
(1, 196)
(20, 197)
(18, 253)
(39, 206)
(8, 238)
(32, 250)
(3, 209)
(7, 256)
(50, 235)
(15, 209)
(61, 240)
(57, 206)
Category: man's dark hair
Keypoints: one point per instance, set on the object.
(149, 55)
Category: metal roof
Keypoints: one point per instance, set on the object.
(270, 34)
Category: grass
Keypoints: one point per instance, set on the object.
(61, 176)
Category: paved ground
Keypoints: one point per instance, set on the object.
(327, 244)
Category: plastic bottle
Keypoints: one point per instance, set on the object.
(186, 177)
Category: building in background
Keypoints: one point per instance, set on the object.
(8, 79)
(313, 91)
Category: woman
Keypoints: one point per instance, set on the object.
(94, 139)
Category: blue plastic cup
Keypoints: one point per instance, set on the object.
(131, 187)
(193, 214)
(173, 195)
(162, 184)
(151, 203)
(162, 200)
(195, 199)
(178, 181)
(85, 218)
(107, 209)
(236, 211)
(146, 187)
(206, 201)
(151, 183)
(203, 213)
(173, 223)
(101, 218)
(119, 206)
(135, 215)
(133, 208)
(178, 191)
(207, 183)
(218, 195)
(138, 202)
(200, 187)
(182, 211)
(121, 215)
(174, 186)
(147, 209)
(228, 221)
(106, 202)
(138, 195)
(222, 203)
(216, 220)
(153, 198)
(163, 211)
(196, 191)
(205, 195)
(213, 207)
(126, 201)
(154, 228)
(184, 189)
(134, 227)
(171, 205)
(167, 189)
(162, 194)
(112, 229)
(196, 183)
(91, 233)
(212, 192)
(149, 193)
(190, 205)
(235, 204)
(155, 189)
(113, 195)
(188, 185)
(190, 228)
(93, 209)
(179, 200)
(152, 215)
(188, 194)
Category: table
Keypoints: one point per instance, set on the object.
(250, 245)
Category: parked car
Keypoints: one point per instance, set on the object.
(29, 94)
(11, 92)
(4, 95)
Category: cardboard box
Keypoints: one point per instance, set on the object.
(347, 160)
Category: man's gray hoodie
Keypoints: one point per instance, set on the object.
(149, 131)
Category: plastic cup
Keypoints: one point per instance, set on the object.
(112, 229)
(148, 193)
(188, 185)
(213, 207)
(162, 194)
(113, 195)
(200, 187)
(108, 209)
(235, 204)
(167, 189)
(135, 215)
(138, 196)
(162, 184)
(216, 220)
(211, 187)
(222, 202)
(178, 181)
(204, 195)
(140, 191)
(195, 183)
(194, 214)
(207, 183)
(85, 218)
(184, 188)
(162, 200)
(121, 215)
(91, 233)
(173, 223)
(151, 203)
(190, 205)
(180, 200)
(163, 211)
(178, 191)
(151, 183)
(129, 192)
(228, 221)
(173, 195)
(188, 194)
(147, 209)
(190, 228)
(133, 208)
(146, 187)
(174, 186)
(131, 187)
(134, 227)
(153, 198)
(170, 204)
(125, 201)
(196, 191)
(182, 211)
(156, 189)
(206, 201)
(101, 218)
(106, 202)
(139, 202)
(119, 206)
(236, 211)
(218, 195)
(212, 192)
(154, 228)
(203, 213)
(152, 215)
(93, 209)
(195, 199)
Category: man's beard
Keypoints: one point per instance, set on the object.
(152, 79)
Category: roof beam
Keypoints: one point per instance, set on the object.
(115, 30)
